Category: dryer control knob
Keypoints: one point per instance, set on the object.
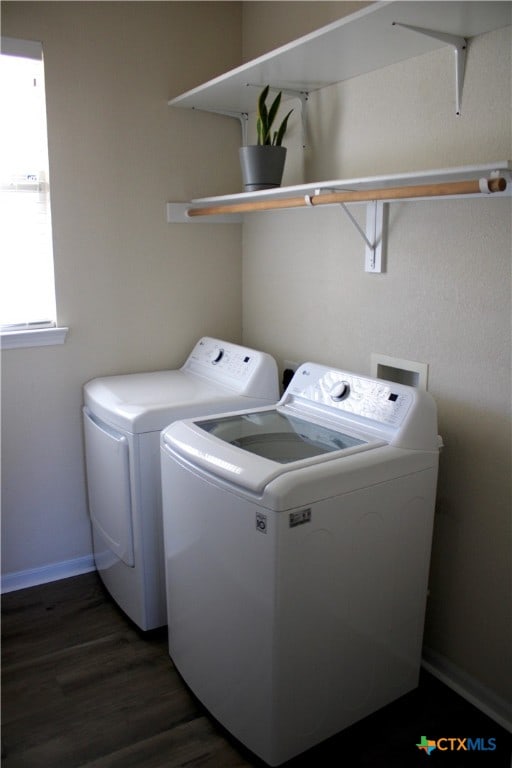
(340, 391)
(217, 355)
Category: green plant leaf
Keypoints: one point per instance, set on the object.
(279, 135)
(273, 110)
(265, 119)
(263, 115)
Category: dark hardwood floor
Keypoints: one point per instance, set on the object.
(81, 686)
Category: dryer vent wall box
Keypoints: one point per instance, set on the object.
(315, 518)
(123, 417)
(408, 372)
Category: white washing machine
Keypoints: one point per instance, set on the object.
(297, 547)
(123, 417)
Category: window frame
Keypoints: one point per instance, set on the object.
(33, 337)
(30, 334)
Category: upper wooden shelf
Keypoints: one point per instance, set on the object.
(356, 44)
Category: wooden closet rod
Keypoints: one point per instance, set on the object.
(474, 187)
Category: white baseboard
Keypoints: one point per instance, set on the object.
(53, 572)
(470, 689)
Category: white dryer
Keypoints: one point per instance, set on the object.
(123, 417)
(297, 547)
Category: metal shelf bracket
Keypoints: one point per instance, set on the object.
(373, 236)
(459, 47)
(304, 98)
(375, 230)
(242, 116)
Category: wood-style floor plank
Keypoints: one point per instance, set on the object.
(82, 687)
(195, 743)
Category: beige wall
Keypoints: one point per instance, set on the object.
(445, 299)
(135, 292)
(268, 24)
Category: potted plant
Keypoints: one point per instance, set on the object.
(263, 163)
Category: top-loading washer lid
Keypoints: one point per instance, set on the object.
(252, 448)
(278, 436)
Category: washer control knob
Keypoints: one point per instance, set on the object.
(340, 391)
(217, 355)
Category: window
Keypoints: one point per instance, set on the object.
(27, 287)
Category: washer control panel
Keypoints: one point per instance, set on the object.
(383, 402)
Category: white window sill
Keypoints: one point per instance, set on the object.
(37, 337)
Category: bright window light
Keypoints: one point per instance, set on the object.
(27, 286)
